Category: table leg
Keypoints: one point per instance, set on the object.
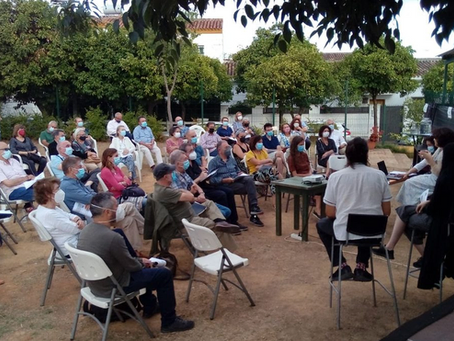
(296, 212)
(278, 212)
(305, 218)
(322, 209)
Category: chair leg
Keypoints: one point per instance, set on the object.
(216, 291)
(373, 277)
(76, 317)
(393, 289)
(8, 233)
(49, 275)
(109, 315)
(441, 281)
(331, 275)
(339, 291)
(407, 274)
(9, 246)
(191, 280)
(243, 200)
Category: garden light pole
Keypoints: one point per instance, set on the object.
(345, 115)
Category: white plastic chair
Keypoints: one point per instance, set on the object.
(4, 200)
(56, 257)
(102, 183)
(91, 267)
(337, 162)
(49, 168)
(216, 263)
(198, 130)
(95, 145)
(46, 149)
(19, 158)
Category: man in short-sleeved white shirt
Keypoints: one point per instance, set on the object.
(114, 123)
(357, 189)
(337, 137)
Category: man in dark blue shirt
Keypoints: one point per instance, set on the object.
(269, 140)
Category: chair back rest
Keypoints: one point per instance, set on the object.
(43, 234)
(366, 224)
(89, 267)
(95, 145)
(61, 201)
(337, 162)
(198, 130)
(102, 183)
(49, 168)
(202, 238)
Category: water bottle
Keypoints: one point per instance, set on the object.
(426, 126)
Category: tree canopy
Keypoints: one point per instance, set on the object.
(432, 81)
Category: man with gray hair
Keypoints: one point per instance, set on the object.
(114, 123)
(336, 136)
(46, 135)
(59, 135)
(131, 272)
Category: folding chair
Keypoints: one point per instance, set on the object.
(46, 149)
(4, 238)
(102, 183)
(56, 257)
(91, 267)
(337, 162)
(4, 200)
(364, 226)
(49, 168)
(198, 130)
(258, 183)
(216, 263)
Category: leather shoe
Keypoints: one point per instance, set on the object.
(223, 226)
(256, 221)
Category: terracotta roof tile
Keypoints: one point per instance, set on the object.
(201, 25)
(230, 66)
(425, 64)
(335, 56)
(109, 20)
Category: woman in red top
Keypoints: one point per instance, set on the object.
(298, 161)
(114, 178)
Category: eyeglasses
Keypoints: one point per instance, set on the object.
(6, 149)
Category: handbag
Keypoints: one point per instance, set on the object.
(132, 191)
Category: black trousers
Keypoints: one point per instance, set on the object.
(33, 159)
(326, 232)
(224, 196)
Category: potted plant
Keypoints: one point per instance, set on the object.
(374, 137)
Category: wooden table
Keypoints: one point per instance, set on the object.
(296, 187)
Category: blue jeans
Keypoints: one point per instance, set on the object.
(22, 194)
(224, 210)
(161, 280)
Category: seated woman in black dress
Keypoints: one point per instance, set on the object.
(23, 145)
(325, 146)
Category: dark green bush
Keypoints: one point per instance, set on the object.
(34, 124)
(156, 126)
(96, 122)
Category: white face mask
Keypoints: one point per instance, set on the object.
(192, 156)
(177, 135)
(119, 214)
(240, 118)
(59, 197)
(325, 134)
(296, 125)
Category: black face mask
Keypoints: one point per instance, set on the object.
(246, 125)
(211, 130)
(118, 121)
(83, 138)
(243, 139)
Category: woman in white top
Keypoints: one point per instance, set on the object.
(62, 226)
(125, 149)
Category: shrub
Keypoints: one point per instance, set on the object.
(396, 149)
(156, 126)
(96, 122)
(34, 124)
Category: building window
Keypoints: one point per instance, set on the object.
(201, 49)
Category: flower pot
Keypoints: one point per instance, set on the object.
(371, 144)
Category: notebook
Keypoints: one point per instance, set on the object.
(198, 208)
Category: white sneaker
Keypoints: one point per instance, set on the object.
(157, 262)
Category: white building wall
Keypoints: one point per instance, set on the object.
(213, 45)
(9, 109)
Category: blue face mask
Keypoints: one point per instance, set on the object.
(80, 124)
(69, 151)
(117, 160)
(62, 138)
(180, 123)
(331, 126)
(51, 129)
(270, 133)
(144, 124)
(259, 146)
(7, 154)
(300, 148)
(174, 177)
(80, 173)
(194, 140)
(123, 132)
(431, 149)
(186, 164)
(225, 124)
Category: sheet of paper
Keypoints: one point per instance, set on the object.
(80, 208)
(424, 195)
(30, 183)
(240, 176)
(449, 112)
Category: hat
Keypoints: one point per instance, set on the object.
(162, 169)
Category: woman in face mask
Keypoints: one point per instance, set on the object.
(174, 141)
(259, 165)
(238, 123)
(297, 127)
(82, 148)
(22, 145)
(298, 160)
(125, 149)
(114, 178)
(224, 131)
(62, 226)
(325, 146)
(240, 148)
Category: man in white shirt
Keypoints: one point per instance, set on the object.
(13, 176)
(337, 137)
(113, 124)
(356, 189)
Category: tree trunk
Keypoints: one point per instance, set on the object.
(374, 99)
(150, 107)
(169, 91)
(183, 111)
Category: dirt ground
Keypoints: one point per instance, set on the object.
(287, 279)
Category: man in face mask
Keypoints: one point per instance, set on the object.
(147, 144)
(113, 124)
(132, 273)
(59, 135)
(210, 139)
(13, 176)
(180, 124)
(78, 197)
(46, 135)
